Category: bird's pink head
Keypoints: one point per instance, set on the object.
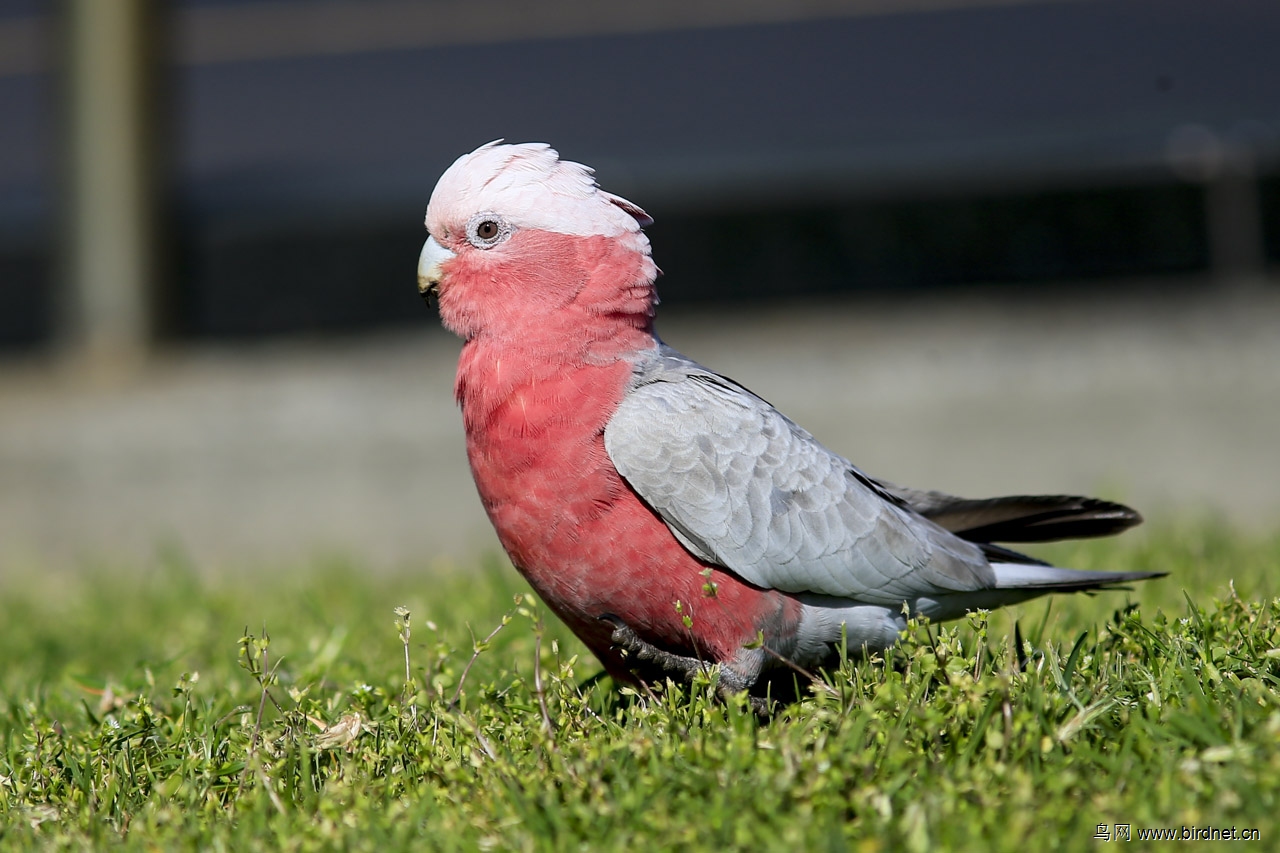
(525, 245)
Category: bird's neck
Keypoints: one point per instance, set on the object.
(540, 381)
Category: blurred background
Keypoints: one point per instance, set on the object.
(980, 246)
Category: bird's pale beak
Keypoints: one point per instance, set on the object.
(429, 262)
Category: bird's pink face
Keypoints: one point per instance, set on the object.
(516, 235)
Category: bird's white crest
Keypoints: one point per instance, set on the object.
(533, 188)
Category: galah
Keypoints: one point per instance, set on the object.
(673, 519)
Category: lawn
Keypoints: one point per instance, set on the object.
(268, 708)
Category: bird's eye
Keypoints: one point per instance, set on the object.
(486, 230)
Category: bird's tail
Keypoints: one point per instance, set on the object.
(1017, 518)
(1041, 579)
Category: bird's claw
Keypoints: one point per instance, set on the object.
(672, 664)
(682, 667)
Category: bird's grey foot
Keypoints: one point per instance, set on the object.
(681, 667)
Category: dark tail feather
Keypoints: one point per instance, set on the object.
(1024, 518)
(1019, 518)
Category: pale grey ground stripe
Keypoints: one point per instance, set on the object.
(1164, 395)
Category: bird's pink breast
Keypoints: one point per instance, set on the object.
(535, 408)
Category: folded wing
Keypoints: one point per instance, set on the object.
(743, 487)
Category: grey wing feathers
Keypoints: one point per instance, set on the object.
(743, 487)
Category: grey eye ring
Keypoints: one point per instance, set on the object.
(486, 230)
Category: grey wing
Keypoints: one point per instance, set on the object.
(743, 487)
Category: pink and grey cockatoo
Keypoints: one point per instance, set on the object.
(669, 516)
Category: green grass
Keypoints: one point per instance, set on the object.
(132, 713)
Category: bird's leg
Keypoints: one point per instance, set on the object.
(682, 668)
(679, 666)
